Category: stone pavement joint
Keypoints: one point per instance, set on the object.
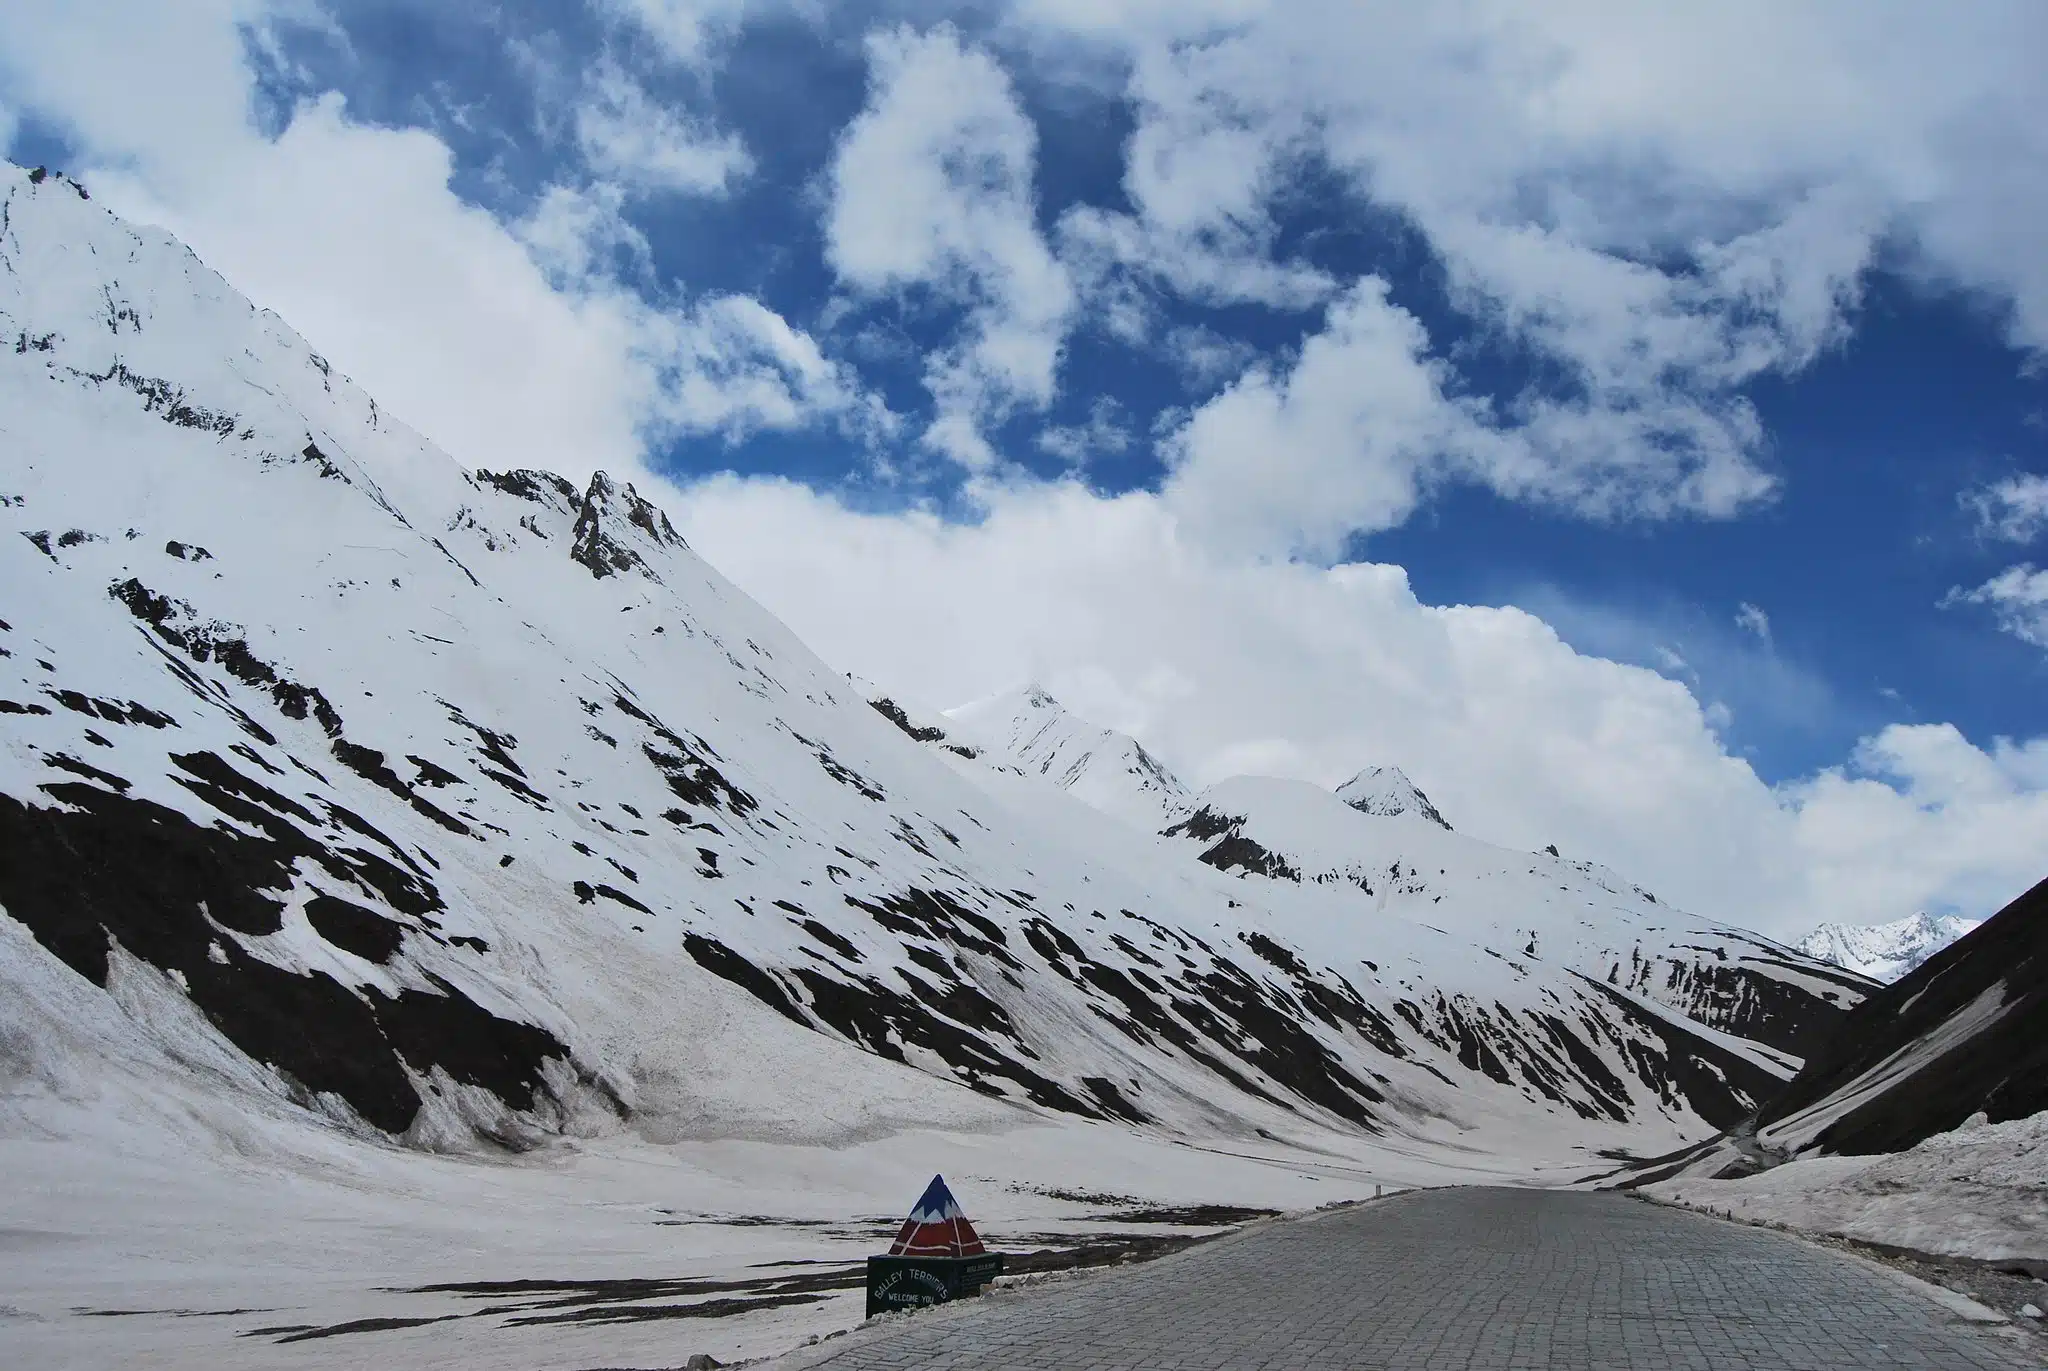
(1460, 1280)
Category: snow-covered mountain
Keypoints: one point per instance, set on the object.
(1386, 791)
(1523, 909)
(1108, 770)
(1961, 1038)
(454, 806)
(1964, 1033)
(1884, 952)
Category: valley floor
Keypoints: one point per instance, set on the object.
(280, 1250)
(1473, 1278)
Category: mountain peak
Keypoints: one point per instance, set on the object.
(1387, 791)
(610, 521)
(1109, 770)
(1886, 951)
(1038, 697)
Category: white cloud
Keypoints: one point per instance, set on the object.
(1223, 665)
(1106, 433)
(2014, 510)
(506, 345)
(1347, 439)
(1661, 205)
(2017, 598)
(1751, 619)
(722, 363)
(628, 135)
(1921, 809)
(687, 30)
(1205, 357)
(931, 187)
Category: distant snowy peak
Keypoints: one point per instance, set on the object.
(1885, 952)
(1387, 791)
(1101, 767)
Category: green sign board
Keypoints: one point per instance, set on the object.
(912, 1282)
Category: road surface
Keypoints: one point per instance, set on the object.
(1459, 1280)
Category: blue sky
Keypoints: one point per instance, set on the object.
(1710, 338)
(1875, 443)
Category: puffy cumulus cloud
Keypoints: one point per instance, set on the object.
(1347, 439)
(628, 135)
(2017, 598)
(1225, 666)
(1660, 206)
(932, 188)
(1922, 811)
(2014, 510)
(506, 344)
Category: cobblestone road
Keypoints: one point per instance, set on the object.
(1460, 1280)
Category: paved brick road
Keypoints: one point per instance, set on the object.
(1461, 1280)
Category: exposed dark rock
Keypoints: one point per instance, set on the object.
(1239, 853)
(541, 487)
(1203, 824)
(352, 928)
(894, 713)
(726, 964)
(587, 892)
(1721, 1086)
(109, 870)
(601, 545)
(1996, 974)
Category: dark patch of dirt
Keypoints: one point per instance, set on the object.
(1194, 1215)
(335, 1330)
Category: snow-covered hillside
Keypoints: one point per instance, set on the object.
(453, 806)
(1884, 952)
(1964, 1035)
(1110, 771)
(1924, 1124)
(1525, 910)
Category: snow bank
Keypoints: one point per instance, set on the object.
(1980, 1192)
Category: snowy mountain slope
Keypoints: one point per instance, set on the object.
(1963, 1035)
(455, 805)
(1386, 791)
(1966, 1032)
(1884, 952)
(1523, 908)
(1110, 771)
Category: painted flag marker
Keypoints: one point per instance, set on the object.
(937, 1227)
(937, 1256)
